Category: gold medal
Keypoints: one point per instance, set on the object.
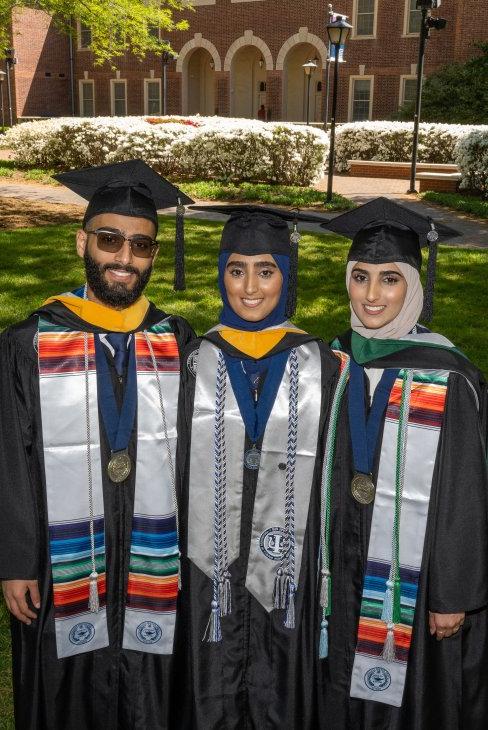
(362, 488)
(119, 467)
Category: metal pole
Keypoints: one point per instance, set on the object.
(424, 34)
(9, 95)
(309, 78)
(1, 103)
(330, 176)
(72, 71)
(165, 88)
(327, 75)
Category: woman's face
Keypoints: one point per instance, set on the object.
(253, 285)
(377, 293)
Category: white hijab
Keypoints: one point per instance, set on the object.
(407, 318)
(403, 323)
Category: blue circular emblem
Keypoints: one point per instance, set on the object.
(149, 632)
(273, 543)
(82, 633)
(378, 679)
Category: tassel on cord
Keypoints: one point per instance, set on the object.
(290, 604)
(388, 653)
(387, 612)
(291, 303)
(324, 639)
(325, 588)
(428, 309)
(397, 608)
(93, 600)
(213, 632)
(279, 592)
(179, 279)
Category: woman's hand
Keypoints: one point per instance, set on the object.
(15, 594)
(444, 625)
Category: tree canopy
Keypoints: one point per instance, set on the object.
(117, 26)
(456, 94)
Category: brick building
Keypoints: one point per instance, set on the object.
(245, 58)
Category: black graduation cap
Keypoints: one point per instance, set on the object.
(256, 229)
(383, 231)
(134, 189)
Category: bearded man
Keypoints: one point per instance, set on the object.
(89, 556)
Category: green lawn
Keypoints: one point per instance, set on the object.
(38, 263)
(461, 202)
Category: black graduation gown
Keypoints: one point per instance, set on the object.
(447, 682)
(261, 675)
(107, 689)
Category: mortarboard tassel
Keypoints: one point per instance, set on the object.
(428, 310)
(291, 303)
(179, 280)
(93, 600)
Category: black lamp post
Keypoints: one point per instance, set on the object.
(2, 111)
(338, 32)
(309, 68)
(166, 57)
(427, 23)
(10, 61)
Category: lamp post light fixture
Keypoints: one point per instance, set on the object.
(338, 32)
(310, 67)
(261, 62)
(427, 24)
(2, 111)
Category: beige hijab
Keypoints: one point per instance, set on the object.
(408, 317)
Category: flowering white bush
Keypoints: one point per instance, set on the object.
(185, 148)
(471, 155)
(392, 142)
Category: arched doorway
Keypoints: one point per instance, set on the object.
(247, 83)
(295, 85)
(200, 83)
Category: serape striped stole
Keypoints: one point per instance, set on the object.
(69, 408)
(381, 661)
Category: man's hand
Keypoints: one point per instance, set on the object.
(15, 594)
(444, 625)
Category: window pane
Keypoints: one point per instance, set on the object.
(154, 31)
(360, 102)
(85, 35)
(415, 18)
(409, 90)
(365, 17)
(119, 99)
(87, 105)
(153, 97)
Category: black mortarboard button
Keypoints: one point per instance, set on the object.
(134, 189)
(255, 229)
(383, 231)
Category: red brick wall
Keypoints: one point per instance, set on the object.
(387, 57)
(40, 50)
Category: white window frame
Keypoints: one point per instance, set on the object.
(112, 95)
(78, 36)
(81, 82)
(403, 78)
(352, 79)
(146, 95)
(406, 22)
(355, 35)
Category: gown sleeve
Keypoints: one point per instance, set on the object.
(458, 564)
(19, 542)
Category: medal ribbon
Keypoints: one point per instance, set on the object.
(118, 424)
(365, 430)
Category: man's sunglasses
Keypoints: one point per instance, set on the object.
(112, 241)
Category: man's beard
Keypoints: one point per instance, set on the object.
(115, 295)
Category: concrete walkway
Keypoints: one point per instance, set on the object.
(474, 232)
